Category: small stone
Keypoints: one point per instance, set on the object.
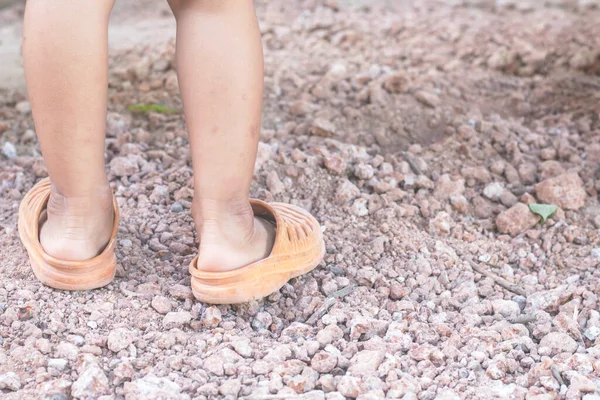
(559, 342)
(329, 334)
(176, 207)
(124, 370)
(91, 384)
(429, 99)
(335, 164)
(359, 207)
(459, 203)
(124, 166)
(396, 83)
(23, 107)
(482, 207)
(323, 362)
(151, 388)
(364, 171)
(274, 184)
(211, 317)
(57, 389)
(231, 387)
(494, 191)
(346, 192)
(67, 350)
(516, 219)
(176, 319)
(9, 150)
(550, 169)
(58, 364)
(304, 382)
(582, 384)
(350, 386)
(506, 308)
(261, 367)
(508, 199)
(181, 292)
(322, 127)
(10, 381)
(119, 339)
(566, 191)
(365, 362)
(441, 224)
(496, 369)
(242, 347)
(446, 188)
(161, 304)
(262, 320)
(161, 65)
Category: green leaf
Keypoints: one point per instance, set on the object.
(146, 108)
(543, 210)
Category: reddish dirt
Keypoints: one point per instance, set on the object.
(416, 132)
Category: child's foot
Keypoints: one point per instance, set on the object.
(77, 229)
(230, 240)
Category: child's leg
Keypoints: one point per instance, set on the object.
(220, 70)
(65, 56)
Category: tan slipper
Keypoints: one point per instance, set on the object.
(298, 248)
(59, 274)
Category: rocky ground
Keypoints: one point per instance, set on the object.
(416, 132)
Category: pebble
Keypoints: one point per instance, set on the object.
(211, 317)
(10, 381)
(58, 389)
(366, 362)
(176, 319)
(566, 191)
(119, 339)
(559, 342)
(274, 184)
(67, 350)
(58, 364)
(329, 334)
(428, 99)
(9, 150)
(151, 387)
(181, 292)
(516, 219)
(506, 308)
(124, 166)
(91, 384)
(161, 304)
(494, 191)
(176, 207)
(230, 387)
(346, 192)
(242, 347)
(350, 386)
(324, 362)
(359, 207)
(446, 188)
(23, 107)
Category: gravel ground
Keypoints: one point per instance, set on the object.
(417, 133)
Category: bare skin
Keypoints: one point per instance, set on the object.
(67, 82)
(222, 104)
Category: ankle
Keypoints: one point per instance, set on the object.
(218, 220)
(79, 206)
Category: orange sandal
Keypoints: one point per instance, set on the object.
(298, 249)
(66, 275)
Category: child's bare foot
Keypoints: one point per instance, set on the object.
(230, 236)
(77, 229)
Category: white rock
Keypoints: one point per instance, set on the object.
(10, 381)
(152, 388)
